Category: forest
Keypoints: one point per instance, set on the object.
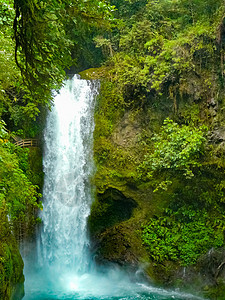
(159, 138)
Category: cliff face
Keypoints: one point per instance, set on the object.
(134, 212)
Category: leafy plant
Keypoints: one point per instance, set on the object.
(172, 238)
(177, 148)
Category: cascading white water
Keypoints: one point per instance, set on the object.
(67, 166)
(64, 269)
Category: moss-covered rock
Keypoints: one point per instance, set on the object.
(125, 199)
(11, 263)
(111, 208)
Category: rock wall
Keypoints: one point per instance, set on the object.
(125, 202)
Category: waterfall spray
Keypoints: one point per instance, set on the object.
(67, 166)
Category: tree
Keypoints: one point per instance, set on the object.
(43, 45)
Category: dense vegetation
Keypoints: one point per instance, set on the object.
(158, 136)
(159, 142)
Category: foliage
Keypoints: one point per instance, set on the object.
(178, 149)
(171, 43)
(14, 106)
(17, 193)
(48, 38)
(8, 70)
(42, 49)
(171, 238)
(43, 45)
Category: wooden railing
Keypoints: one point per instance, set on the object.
(27, 143)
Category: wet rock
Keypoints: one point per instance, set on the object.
(212, 107)
(127, 131)
(212, 266)
(217, 136)
(212, 103)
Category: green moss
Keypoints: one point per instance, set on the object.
(121, 139)
(122, 244)
(94, 73)
(215, 292)
(11, 264)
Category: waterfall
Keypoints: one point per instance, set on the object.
(63, 243)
